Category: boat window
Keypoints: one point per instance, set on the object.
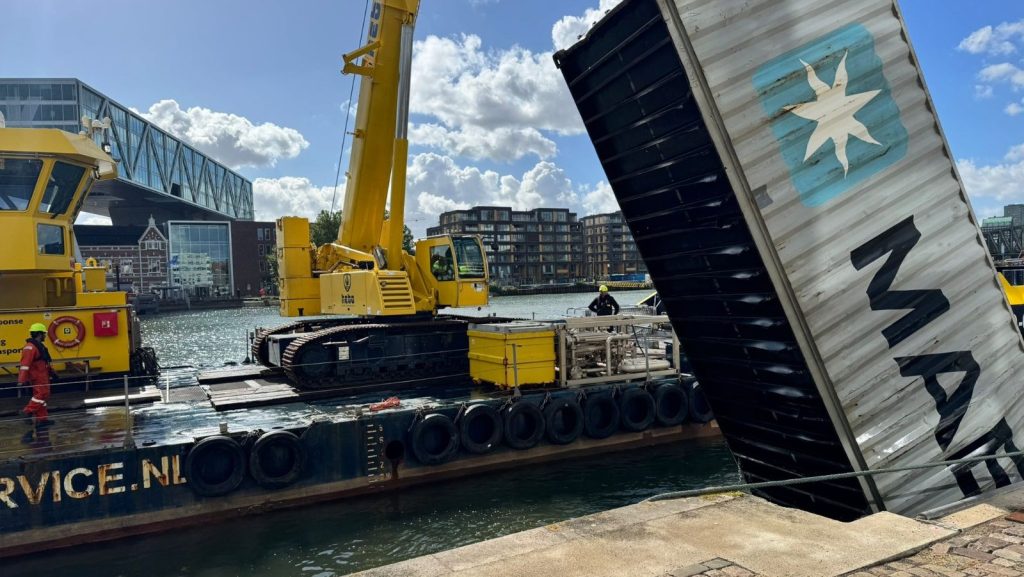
(18, 178)
(60, 190)
(469, 257)
(50, 239)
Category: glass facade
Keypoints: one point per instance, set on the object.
(147, 156)
(200, 257)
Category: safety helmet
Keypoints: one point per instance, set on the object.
(37, 328)
(603, 289)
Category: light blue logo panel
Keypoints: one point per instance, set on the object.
(832, 113)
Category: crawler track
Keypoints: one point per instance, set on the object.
(359, 356)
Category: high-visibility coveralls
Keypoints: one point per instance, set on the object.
(35, 369)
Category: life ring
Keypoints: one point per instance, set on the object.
(434, 439)
(700, 410)
(671, 405)
(480, 429)
(79, 335)
(600, 416)
(636, 409)
(215, 466)
(277, 459)
(524, 425)
(563, 421)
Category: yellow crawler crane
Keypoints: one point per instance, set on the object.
(365, 273)
(45, 175)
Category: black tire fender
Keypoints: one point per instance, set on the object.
(636, 409)
(672, 405)
(700, 410)
(434, 439)
(215, 466)
(524, 425)
(600, 416)
(277, 459)
(481, 429)
(563, 421)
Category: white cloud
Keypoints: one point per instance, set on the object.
(1003, 71)
(489, 104)
(292, 196)
(1013, 109)
(89, 218)
(569, 29)
(998, 41)
(995, 184)
(228, 138)
(439, 184)
(982, 91)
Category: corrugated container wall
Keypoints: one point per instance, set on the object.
(788, 184)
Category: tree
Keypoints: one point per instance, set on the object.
(324, 229)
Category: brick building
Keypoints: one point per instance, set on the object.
(135, 256)
(538, 246)
(609, 249)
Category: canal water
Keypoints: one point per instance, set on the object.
(338, 538)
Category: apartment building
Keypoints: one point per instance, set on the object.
(538, 246)
(609, 250)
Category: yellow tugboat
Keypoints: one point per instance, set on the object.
(45, 175)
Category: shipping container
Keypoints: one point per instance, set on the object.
(788, 184)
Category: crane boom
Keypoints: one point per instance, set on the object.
(380, 146)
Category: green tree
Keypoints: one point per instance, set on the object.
(324, 229)
(407, 240)
(270, 279)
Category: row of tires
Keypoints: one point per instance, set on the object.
(217, 465)
(436, 438)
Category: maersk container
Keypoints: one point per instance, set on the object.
(789, 186)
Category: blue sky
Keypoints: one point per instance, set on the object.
(256, 84)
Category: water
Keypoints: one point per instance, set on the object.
(360, 533)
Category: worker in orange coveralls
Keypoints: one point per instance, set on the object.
(35, 369)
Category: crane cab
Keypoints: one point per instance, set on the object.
(455, 265)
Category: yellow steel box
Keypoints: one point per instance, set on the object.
(491, 353)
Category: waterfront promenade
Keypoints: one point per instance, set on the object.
(738, 535)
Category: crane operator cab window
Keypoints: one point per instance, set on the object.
(470, 258)
(441, 265)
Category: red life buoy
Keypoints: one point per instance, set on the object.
(79, 336)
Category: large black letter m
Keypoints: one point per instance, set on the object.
(925, 305)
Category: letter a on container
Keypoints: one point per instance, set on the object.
(832, 113)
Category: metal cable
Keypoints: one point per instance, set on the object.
(820, 478)
(348, 114)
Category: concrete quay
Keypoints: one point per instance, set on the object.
(737, 535)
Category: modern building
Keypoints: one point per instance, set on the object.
(609, 249)
(136, 257)
(159, 175)
(1016, 212)
(538, 246)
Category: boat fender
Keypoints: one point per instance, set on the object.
(480, 429)
(636, 409)
(215, 466)
(672, 404)
(700, 410)
(563, 421)
(435, 439)
(70, 343)
(600, 416)
(277, 459)
(524, 425)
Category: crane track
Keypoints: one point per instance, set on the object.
(259, 350)
(438, 351)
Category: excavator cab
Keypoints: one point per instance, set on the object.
(456, 267)
(1011, 277)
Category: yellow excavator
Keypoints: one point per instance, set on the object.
(391, 297)
(45, 175)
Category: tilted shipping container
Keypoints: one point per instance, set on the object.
(786, 180)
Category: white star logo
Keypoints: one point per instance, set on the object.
(833, 112)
